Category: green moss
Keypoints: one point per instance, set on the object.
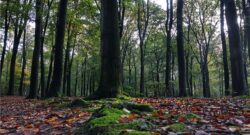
(105, 122)
(244, 97)
(125, 97)
(91, 109)
(106, 116)
(177, 127)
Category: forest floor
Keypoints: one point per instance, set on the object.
(144, 116)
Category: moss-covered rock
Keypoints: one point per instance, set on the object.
(106, 116)
(177, 127)
(102, 119)
(134, 107)
(105, 121)
(79, 103)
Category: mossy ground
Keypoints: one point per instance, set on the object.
(177, 127)
(107, 113)
(105, 120)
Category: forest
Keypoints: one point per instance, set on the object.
(129, 67)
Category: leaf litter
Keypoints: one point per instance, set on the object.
(24, 116)
(199, 116)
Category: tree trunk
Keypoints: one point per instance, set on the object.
(37, 49)
(224, 47)
(20, 89)
(70, 69)
(17, 37)
(55, 86)
(142, 35)
(50, 69)
(246, 12)
(238, 76)
(76, 80)
(180, 50)
(191, 76)
(6, 30)
(129, 67)
(82, 88)
(110, 80)
(135, 73)
(66, 59)
(169, 25)
(84, 77)
(93, 82)
(206, 77)
(142, 91)
(158, 74)
(172, 74)
(43, 90)
(187, 55)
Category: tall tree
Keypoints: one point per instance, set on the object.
(110, 80)
(246, 14)
(66, 59)
(236, 58)
(180, 50)
(20, 89)
(6, 30)
(142, 25)
(55, 86)
(203, 29)
(19, 25)
(168, 25)
(37, 48)
(43, 90)
(224, 47)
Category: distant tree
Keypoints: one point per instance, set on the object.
(55, 85)
(180, 50)
(142, 25)
(203, 30)
(66, 59)
(236, 58)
